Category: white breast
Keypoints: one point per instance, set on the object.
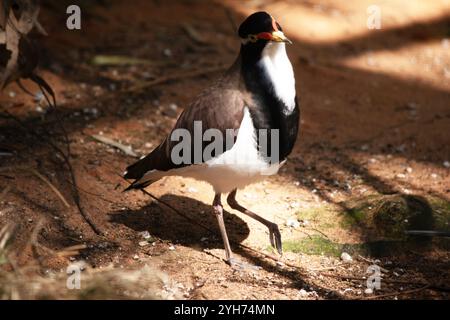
(233, 169)
(275, 62)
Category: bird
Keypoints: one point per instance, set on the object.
(256, 94)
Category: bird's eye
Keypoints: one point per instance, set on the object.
(252, 38)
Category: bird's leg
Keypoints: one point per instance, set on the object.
(218, 210)
(274, 232)
(235, 263)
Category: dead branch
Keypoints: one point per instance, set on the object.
(128, 150)
(4, 192)
(436, 287)
(54, 189)
(188, 74)
(387, 295)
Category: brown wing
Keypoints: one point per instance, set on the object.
(219, 107)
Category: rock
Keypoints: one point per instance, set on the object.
(293, 223)
(145, 234)
(303, 293)
(401, 176)
(143, 243)
(368, 291)
(346, 257)
(171, 248)
(171, 110)
(409, 170)
(136, 257)
(446, 164)
(167, 52)
(364, 147)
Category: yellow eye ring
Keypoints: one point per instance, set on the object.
(252, 38)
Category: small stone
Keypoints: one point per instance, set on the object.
(146, 235)
(167, 52)
(446, 164)
(203, 239)
(171, 110)
(409, 169)
(368, 291)
(364, 147)
(143, 243)
(38, 97)
(434, 175)
(303, 293)
(293, 223)
(294, 205)
(346, 257)
(12, 94)
(401, 176)
(136, 257)
(171, 248)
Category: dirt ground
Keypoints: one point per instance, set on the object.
(375, 125)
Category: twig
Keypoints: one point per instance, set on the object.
(66, 160)
(193, 34)
(4, 192)
(188, 74)
(232, 21)
(54, 189)
(397, 293)
(317, 230)
(405, 282)
(125, 149)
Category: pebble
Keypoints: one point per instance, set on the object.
(303, 293)
(446, 164)
(409, 170)
(346, 257)
(368, 291)
(167, 52)
(401, 176)
(146, 235)
(38, 97)
(143, 243)
(293, 223)
(171, 110)
(136, 257)
(364, 147)
(171, 248)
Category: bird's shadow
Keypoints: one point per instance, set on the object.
(167, 225)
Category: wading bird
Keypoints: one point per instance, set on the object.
(256, 93)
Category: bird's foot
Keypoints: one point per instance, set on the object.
(275, 238)
(241, 266)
